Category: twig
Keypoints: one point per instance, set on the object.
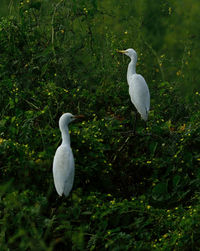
(52, 23)
(120, 149)
(32, 104)
(10, 6)
(158, 60)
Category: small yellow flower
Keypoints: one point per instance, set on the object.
(85, 10)
(62, 31)
(182, 128)
(126, 32)
(1, 140)
(178, 73)
(148, 207)
(197, 93)
(148, 161)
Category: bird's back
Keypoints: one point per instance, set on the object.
(63, 170)
(139, 93)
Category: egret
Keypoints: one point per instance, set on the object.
(138, 88)
(63, 163)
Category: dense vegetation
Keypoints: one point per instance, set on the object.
(131, 192)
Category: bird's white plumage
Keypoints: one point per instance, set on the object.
(63, 163)
(138, 89)
(139, 94)
(63, 170)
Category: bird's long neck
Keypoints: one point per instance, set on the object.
(131, 68)
(65, 136)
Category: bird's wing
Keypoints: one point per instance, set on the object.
(140, 96)
(63, 170)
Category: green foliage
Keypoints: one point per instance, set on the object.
(131, 192)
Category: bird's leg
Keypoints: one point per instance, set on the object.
(71, 199)
(135, 122)
(145, 126)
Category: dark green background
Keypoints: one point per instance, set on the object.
(131, 192)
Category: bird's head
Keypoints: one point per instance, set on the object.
(130, 53)
(66, 118)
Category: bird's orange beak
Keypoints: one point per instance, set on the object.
(79, 116)
(122, 51)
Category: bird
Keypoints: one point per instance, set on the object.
(138, 88)
(63, 162)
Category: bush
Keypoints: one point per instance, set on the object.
(131, 192)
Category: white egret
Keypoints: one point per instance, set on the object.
(63, 163)
(138, 89)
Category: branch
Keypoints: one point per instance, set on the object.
(52, 23)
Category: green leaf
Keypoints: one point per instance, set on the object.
(160, 191)
(176, 180)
